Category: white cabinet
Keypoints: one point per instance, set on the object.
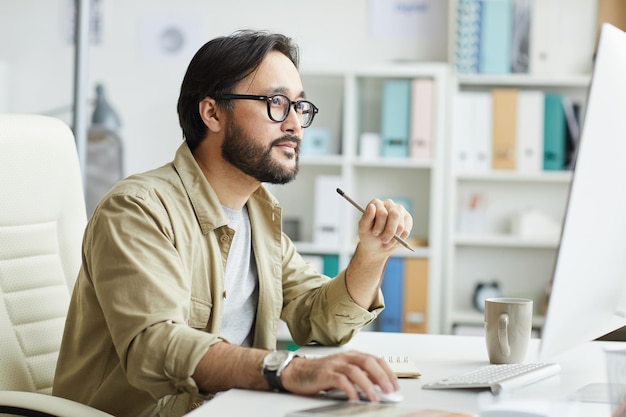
(350, 100)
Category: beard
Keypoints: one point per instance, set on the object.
(241, 151)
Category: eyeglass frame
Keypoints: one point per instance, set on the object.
(267, 100)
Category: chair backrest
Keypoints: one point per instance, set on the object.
(42, 219)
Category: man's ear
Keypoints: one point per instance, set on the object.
(210, 114)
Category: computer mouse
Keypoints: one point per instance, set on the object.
(391, 397)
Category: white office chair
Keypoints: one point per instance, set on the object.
(42, 218)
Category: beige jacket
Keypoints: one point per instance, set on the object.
(148, 300)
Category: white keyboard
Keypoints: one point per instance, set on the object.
(498, 377)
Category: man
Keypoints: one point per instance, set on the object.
(186, 272)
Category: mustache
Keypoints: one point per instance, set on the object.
(285, 139)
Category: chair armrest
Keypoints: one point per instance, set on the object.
(41, 405)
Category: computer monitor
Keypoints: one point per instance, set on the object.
(588, 289)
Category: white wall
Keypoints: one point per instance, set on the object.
(144, 90)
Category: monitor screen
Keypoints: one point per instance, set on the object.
(587, 297)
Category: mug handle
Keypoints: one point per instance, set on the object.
(503, 336)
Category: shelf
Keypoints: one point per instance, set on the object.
(392, 163)
(404, 69)
(506, 241)
(313, 248)
(321, 160)
(524, 80)
(514, 176)
(473, 317)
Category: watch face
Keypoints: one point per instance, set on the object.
(273, 360)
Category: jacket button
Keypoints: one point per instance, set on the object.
(224, 238)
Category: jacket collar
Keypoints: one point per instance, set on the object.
(206, 205)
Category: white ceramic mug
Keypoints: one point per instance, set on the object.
(508, 324)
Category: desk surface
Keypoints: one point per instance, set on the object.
(438, 356)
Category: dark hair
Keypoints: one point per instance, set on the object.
(217, 67)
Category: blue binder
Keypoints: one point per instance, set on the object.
(496, 33)
(395, 118)
(554, 133)
(390, 320)
(468, 36)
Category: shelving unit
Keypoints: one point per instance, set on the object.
(350, 104)
(482, 246)
(521, 265)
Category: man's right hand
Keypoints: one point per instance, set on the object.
(344, 371)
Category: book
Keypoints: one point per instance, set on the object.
(402, 366)
(367, 409)
(395, 118)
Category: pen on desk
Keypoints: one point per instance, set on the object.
(362, 210)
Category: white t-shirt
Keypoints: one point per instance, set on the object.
(242, 283)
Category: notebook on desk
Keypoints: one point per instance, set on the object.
(401, 365)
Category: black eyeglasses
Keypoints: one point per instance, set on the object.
(278, 106)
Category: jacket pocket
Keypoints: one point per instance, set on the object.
(199, 313)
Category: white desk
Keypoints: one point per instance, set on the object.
(437, 356)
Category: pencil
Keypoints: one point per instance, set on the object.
(362, 210)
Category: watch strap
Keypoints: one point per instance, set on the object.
(272, 376)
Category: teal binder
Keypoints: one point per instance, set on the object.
(395, 118)
(331, 265)
(496, 36)
(554, 133)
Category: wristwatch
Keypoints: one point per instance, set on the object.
(273, 364)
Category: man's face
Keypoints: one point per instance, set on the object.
(261, 148)
(256, 159)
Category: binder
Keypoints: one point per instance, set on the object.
(559, 44)
(504, 127)
(421, 119)
(530, 113)
(572, 136)
(554, 133)
(543, 35)
(496, 33)
(415, 295)
(468, 36)
(327, 217)
(521, 36)
(331, 265)
(395, 120)
(390, 320)
(472, 131)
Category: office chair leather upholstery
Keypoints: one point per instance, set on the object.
(42, 218)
